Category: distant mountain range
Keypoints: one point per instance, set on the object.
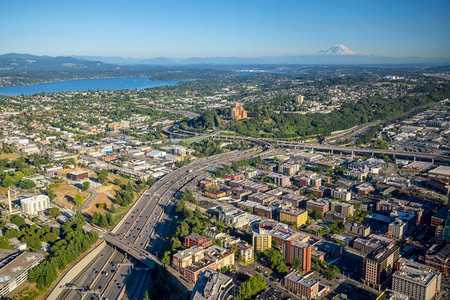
(338, 54)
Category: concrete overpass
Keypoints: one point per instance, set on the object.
(344, 150)
(130, 248)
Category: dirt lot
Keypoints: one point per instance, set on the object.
(65, 193)
(10, 156)
(104, 194)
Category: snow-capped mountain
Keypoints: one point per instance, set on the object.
(339, 49)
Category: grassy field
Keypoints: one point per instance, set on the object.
(10, 156)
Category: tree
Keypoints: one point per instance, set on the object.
(18, 220)
(86, 185)
(275, 261)
(7, 181)
(4, 242)
(51, 194)
(18, 176)
(27, 184)
(54, 212)
(34, 242)
(151, 181)
(117, 181)
(78, 199)
(251, 287)
(297, 263)
(101, 178)
(166, 259)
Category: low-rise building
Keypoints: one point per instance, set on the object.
(358, 229)
(341, 194)
(281, 180)
(346, 209)
(194, 239)
(185, 258)
(439, 259)
(305, 288)
(233, 217)
(261, 198)
(256, 187)
(14, 270)
(78, 175)
(321, 205)
(195, 260)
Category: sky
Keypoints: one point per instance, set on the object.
(245, 28)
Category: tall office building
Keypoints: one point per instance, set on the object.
(262, 240)
(418, 281)
(379, 265)
(300, 99)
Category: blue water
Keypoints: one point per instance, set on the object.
(85, 85)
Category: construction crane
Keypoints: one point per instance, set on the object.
(76, 160)
(67, 171)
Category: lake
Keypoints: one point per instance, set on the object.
(85, 85)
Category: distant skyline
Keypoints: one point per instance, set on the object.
(180, 29)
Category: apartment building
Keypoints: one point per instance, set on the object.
(304, 288)
(416, 280)
(294, 216)
(261, 239)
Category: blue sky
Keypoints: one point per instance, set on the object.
(136, 28)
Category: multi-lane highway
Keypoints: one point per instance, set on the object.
(108, 275)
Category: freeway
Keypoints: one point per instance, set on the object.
(136, 231)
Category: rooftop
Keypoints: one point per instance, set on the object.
(12, 266)
(294, 276)
(414, 271)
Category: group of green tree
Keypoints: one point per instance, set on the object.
(31, 235)
(252, 161)
(251, 287)
(188, 196)
(126, 195)
(104, 220)
(161, 285)
(325, 268)
(187, 221)
(74, 241)
(315, 214)
(275, 260)
(368, 135)
(206, 147)
(102, 176)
